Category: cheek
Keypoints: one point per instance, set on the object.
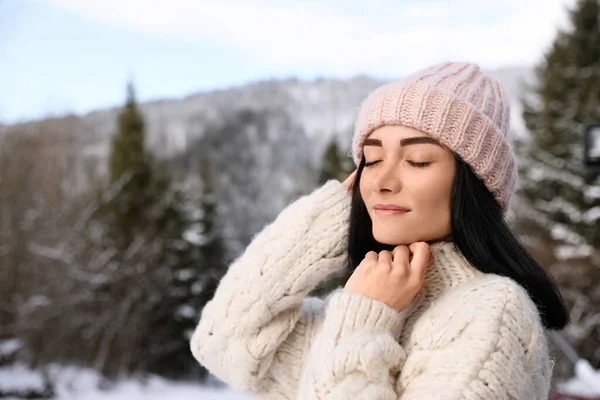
(432, 219)
(432, 198)
(433, 194)
(364, 187)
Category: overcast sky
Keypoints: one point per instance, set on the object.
(60, 56)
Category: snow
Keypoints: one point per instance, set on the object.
(585, 383)
(223, 395)
(577, 387)
(81, 384)
(154, 390)
(73, 383)
(568, 252)
(592, 192)
(49, 252)
(18, 377)
(592, 215)
(9, 346)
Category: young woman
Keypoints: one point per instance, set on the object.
(443, 302)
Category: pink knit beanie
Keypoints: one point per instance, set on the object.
(457, 105)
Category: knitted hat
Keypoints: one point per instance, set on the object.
(457, 105)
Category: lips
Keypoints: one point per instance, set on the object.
(389, 209)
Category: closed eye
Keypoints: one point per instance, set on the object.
(418, 164)
(368, 164)
(415, 164)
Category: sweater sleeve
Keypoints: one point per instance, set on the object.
(356, 354)
(487, 342)
(259, 306)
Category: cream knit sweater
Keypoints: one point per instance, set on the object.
(467, 335)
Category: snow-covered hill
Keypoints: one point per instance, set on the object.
(323, 107)
(264, 139)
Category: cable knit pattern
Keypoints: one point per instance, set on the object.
(466, 335)
(456, 104)
(258, 303)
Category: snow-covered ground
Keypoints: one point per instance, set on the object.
(585, 383)
(77, 384)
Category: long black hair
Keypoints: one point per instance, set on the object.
(481, 233)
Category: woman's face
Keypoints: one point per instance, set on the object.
(406, 185)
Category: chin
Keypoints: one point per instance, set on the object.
(393, 237)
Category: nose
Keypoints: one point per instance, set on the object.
(387, 178)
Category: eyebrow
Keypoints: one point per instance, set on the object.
(405, 142)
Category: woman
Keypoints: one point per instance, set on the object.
(443, 302)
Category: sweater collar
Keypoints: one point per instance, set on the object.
(449, 269)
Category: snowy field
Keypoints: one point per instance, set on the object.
(77, 384)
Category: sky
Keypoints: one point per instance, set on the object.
(74, 56)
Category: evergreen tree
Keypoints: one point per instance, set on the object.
(135, 220)
(335, 164)
(567, 98)
(135, 183)
(196, 260)
(139, 229)
(128, 153)
(178, 254)
(212, 248)
(558, 203)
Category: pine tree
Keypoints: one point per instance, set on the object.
(567, 98)
(180, 264)
(335, 164)
(133, 234)
(128, 153)
(197, 262)
(135, 183)
(213, 259)
(559, 204)
(212, 247)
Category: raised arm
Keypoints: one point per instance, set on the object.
(356, 354)
(258, 306)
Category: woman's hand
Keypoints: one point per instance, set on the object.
(349, 182)
(394, 278)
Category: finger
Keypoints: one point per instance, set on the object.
(385, 258)
(431, 259)
(401, 255)
(401, 264)
(413, 248)
(420, 260)
(349, 182)
(371, 256)
(369, 260)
